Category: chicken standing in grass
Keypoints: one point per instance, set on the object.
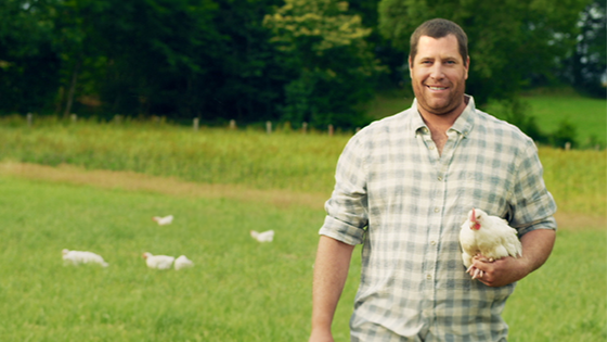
(488, 237)
(78, 257)
(266, 236)
(162, 221)
(160, 262)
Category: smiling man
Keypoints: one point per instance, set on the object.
(404, 185)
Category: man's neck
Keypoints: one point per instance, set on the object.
(443, 121)
(439, 124)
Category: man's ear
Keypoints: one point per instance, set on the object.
(466, 68)
(409, 64)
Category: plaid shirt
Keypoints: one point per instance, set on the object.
(406, 203)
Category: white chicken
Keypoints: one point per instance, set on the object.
(160, 262)
(489, 237)
(79, 257)
(266, 236)
(182, 262)
(163, 221)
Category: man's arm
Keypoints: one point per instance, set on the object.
(536, 248)
(331, 269)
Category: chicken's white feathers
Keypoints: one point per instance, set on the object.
(489, 236)
(160, 262)
(266, 236)
(162, 221)
(182, 262)
(80, 257)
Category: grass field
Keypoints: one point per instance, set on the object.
(239, 290)
(90, 186)
(289, 161)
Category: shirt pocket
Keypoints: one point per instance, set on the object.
(489, 192)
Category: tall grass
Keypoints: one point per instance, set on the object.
(282, 160)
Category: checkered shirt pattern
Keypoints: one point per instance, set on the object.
(405, 203)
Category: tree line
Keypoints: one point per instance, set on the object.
(314, 61)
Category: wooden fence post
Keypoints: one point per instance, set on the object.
(568, 146)
(232, 124)
(30, 118)
(304, 127)
(330, 130)
(74, 118)
(195, 124)
(268, 127)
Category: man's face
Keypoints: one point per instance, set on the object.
(438, 75)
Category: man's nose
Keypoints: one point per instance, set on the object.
(437, 70)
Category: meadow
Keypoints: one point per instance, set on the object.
(95, 186)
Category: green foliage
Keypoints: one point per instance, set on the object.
(509, 41)
(29, 63)
(586, 65)
(335, 65)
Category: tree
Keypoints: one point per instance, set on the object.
(509, 41)
(587, 63)
(327, 49)
(29, 62)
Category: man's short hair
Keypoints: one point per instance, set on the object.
(439, 28)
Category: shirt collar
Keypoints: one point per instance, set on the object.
(463, 124)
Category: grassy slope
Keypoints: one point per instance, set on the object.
(588, 115)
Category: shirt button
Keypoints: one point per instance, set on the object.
(436, 210)
(439, 178)
(433, 243)
(429, 277)
(431, 147)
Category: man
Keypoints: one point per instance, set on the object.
(403, 188)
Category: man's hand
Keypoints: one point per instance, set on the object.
(499, 272)
(536, 246)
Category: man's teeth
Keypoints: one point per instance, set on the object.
(437, 88)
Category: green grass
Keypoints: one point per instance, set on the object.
(565, 300)
(586, 114)
(282, 160)
(239, 290)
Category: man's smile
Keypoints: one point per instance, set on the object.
(436, 88)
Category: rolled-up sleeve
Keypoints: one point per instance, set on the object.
(533, 204)
(347, 208)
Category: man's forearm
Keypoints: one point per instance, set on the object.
(330, 273)
(537, 246)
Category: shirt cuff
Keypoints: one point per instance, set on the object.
(342, 231)
(547, 223)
